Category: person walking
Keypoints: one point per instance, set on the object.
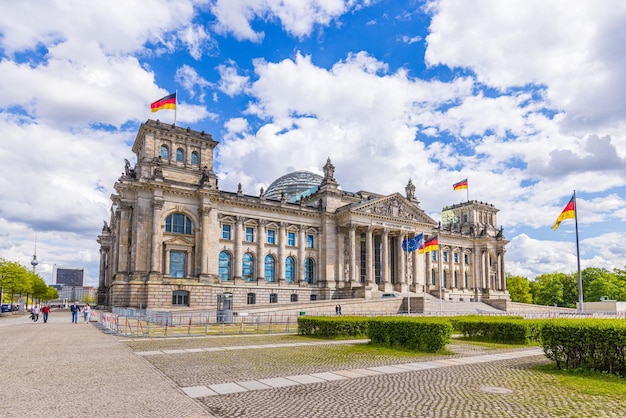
(36, 313)
(45, 311)
(75, 309)
(86, 312)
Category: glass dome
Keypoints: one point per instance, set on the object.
(293, 185)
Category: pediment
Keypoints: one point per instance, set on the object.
(393, 206)
(180, 241)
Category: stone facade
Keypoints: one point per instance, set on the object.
(175, 240)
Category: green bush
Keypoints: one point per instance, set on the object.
(507, 330)
(333, 327)
(418, 334)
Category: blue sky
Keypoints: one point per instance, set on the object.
(524, 98)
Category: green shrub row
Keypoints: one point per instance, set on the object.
(333, 327)
(590, 344)
(506, 330)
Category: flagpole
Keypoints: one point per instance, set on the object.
(440, 266)
(175, 104)
(467, 180)
(406, 272)
(581, 307)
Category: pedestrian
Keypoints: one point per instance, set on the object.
(336, 309)
(86, 311)
(36, 313)
(75, 309)
(45, 311)
(339, 306)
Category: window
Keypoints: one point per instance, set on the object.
(456, 281)
(309, 270)
(456, 257)
(465, 280)
(224, 266)
(294, 297)
(195, 160)
(313, 297)
(177, 263)
(466, 257)
(290, 267)
(247, 267)
(445, 256)
(310, 242)
(270, 267)
(180, 155)
(433, 255)
(180, 297)
(273, 298)
(271, 237)
(165, 152)
(432, 277)
(226, 231)
(249, 234)
(178, 223)
(251, 298)
(445, 280)
(291, 239)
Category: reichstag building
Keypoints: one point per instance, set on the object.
(175, 240)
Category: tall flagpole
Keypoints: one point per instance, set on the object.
(440, 267)
(581, 307)
(467, 180)
(175, 104)
(406, 272)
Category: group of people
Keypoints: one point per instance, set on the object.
(45, 310)
(75, 309)
(338, 310)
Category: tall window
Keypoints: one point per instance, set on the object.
(180, 155)
(432, 277)
(180, 297)
(456, 281)
(226, 231)
(247, 267)
(270, 268)
(271, 237)
(456, 257)
(251, 298)
(291, 239)
(224, 266)
(195, 160)
(290, 267)
(165, 152)
(309, 270)
(466, 256)
(433, 255)
(445, 256)
(178, 223)
(445, 280)
(177, 263)
(310, 242)
(465, 280)
(249, 234)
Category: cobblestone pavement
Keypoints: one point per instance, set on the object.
(60, 369)
(64, 370)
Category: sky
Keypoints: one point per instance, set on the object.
(524, 98)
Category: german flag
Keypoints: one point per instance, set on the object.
(460, 185)
(568, 213)
(167, 102)
(431, 245)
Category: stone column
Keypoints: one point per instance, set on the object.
(352, 253)
(462, 255)
(239, 237)
(401, 261)
(155, 263)
(260, 262)
(386, 281)
(369, 256)
(205, 232)
(429, 268)
(301, 255)
(124, 238)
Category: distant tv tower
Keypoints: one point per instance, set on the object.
(34, 261)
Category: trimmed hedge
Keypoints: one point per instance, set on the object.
(333, 326)
(591, 344)
(506, 330)
(418, 334)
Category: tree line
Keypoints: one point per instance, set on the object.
(17, 280)
(560, 289)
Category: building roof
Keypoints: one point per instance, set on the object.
(293, 184)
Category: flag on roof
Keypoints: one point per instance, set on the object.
(413, 244)
(568, 213)
(460, 185)
(167, 102)
(430, 245)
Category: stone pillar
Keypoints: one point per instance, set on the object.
(280, 263)
(301, 255)
(401, 262)
(260, 262)
(239, 237)
(155, 263)
(386, 277)
(462, 261)
(205, 232)
(369, 256)
(429, 268)
(124, 238)
(352, 254)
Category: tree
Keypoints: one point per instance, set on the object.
(548, 289)
(602, 284)
(519, 289)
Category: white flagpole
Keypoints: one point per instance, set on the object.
(467, 180)
(406, 272)
(440, 265)
(581, 307)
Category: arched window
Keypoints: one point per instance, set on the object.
(180, 155)
(309, 270)
(247, 267)
(224, 266)
(195, 160)
(290, 267)
(165, 152)
(270, 268)
(178, 223)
